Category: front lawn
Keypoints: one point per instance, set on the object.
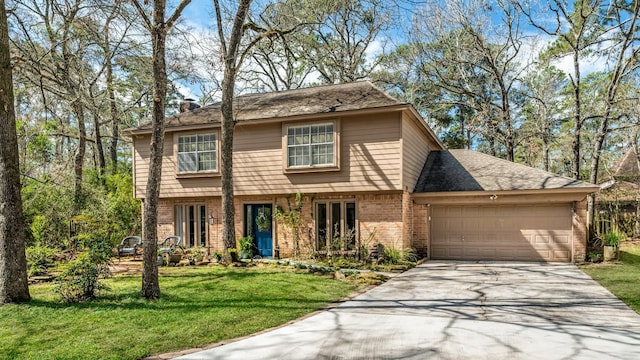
(198, 306)
(622, 277)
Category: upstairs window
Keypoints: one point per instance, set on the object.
(311, 145)
(197, 153)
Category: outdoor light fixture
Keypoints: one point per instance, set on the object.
(493, 197)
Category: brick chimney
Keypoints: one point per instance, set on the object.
(188, 105)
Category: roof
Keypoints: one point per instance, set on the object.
(627, 167)
(306, 101)
(466, 170)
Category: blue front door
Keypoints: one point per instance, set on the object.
(259, 226)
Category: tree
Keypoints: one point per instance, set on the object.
(230, 54)
(13, 263)
(158, 28)
(625, 51)
(233, 52)
(472, 65)
(541, 109)
(575, 30)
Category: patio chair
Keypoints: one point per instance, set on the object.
(129, 246)
(169, 244)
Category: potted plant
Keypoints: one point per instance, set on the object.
(218, 256)
(233, 254)
(246, 247)
(611, 241)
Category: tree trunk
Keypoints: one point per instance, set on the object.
(150, 284)
(113, 108)
(99, 148)
(228, 209)
(78, 163)
(577, 118)
(13, 264)
(231, 54)
(113, 112)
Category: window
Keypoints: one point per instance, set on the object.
(335, 225)
(191, 224)
(197, 153)
(310, 145)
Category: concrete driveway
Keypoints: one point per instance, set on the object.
(460, 310)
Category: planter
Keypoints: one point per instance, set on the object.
(175, 258)
(610, 253)
(159, 260)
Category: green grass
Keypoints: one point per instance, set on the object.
(622, 277)
(198, 306)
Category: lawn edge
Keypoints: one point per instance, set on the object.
(177, 353)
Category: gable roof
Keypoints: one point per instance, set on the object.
(466, 170)
(627, 167)
(299, 102)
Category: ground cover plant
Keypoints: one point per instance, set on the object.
(620, 277)
(199, 305)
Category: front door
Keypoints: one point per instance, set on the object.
(259, 226)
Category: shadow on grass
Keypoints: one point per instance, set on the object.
(196, 290)
(629, 258)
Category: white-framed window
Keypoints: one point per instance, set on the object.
(311, 145)
(198, 153)
(190, 223)
(335, 225)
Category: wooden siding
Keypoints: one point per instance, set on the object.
(369, 161)
(415, 150)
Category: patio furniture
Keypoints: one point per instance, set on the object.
(169, 244)
(129, 246)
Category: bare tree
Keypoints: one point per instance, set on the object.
(13, 264)
(158, 27)
(574, 31)
(625, 51)
(474, 63)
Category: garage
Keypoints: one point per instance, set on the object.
(502, 232)
(472, 206)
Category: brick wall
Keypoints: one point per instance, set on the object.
(579, 231)
(382, 214)
(384, 218)
(421, 228)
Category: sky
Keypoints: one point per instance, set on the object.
(199, 16)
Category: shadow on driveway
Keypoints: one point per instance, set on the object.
(460, 310)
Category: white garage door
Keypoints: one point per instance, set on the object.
(530, 233)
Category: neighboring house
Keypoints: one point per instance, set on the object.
(617, 202)
(369, 170)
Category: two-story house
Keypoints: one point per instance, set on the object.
(369, 169)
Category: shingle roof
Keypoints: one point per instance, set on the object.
(306, 101)
(466, 170)
(627, 167)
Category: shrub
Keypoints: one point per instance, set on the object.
(613, 238)
(395, 256)
(80, 278)
(39, 259)
(195, 255)
(246, 246)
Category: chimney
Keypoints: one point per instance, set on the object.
(188, 105)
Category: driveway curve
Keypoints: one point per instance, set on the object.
(460, 310)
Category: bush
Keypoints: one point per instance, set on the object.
(80, 278)
(395, 256)
(613, 238)
(39, 259)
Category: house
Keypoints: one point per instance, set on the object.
(368, 169)
(617, 202)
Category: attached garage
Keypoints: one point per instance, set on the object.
(507, 232)
(479, 207)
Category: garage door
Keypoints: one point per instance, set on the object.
(530, 233)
